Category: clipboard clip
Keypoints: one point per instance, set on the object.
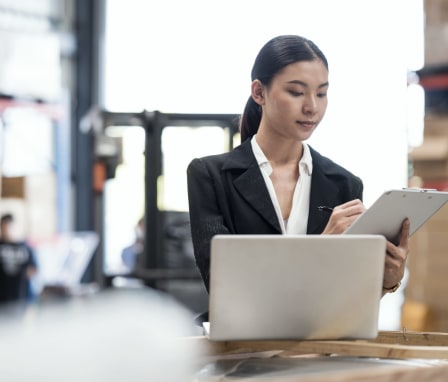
(419, 189)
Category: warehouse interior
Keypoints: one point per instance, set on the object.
(104, 103)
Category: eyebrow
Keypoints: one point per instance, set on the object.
(298, 82)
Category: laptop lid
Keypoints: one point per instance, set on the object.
(295, 287)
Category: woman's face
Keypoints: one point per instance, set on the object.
(295, 101)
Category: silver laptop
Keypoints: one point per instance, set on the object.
(295, 287)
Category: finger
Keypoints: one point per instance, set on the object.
(393, 261)
(390, 248)
(393, 269)
(349, 209)
(395, 252)
(351, 213)
(404, 236)
(350, 203)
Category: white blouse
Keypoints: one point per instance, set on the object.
(298, 217)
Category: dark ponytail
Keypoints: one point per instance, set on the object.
(250, 120)
(272, 58)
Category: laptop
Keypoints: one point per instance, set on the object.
(280, 287)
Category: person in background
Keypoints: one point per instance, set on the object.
(17, 264)
(274, 182)
(131, 253)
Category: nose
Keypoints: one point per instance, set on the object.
(310, 105)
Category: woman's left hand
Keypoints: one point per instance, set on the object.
(396, 256)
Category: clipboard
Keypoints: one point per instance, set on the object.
(386, 215)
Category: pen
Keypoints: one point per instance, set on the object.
(325, 208)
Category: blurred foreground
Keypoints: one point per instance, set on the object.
(114, 335)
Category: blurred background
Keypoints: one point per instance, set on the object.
(104, 103)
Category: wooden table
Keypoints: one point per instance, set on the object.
(391, 357)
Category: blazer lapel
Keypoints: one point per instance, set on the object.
(323, 193)
(320, 190)
(250, 183)
(251, 186)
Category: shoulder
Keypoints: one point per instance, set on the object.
(210, 160)
(205, 167)
(238, 158)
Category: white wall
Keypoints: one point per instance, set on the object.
(196, 57)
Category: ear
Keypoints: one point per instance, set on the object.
(258, 91)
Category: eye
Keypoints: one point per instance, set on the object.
(322, 95)
(295, 93)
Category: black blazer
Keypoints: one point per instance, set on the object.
(227, 195)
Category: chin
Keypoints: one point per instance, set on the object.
(304, 137)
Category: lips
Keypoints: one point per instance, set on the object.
(306, 123)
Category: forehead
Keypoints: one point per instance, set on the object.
(311, 72)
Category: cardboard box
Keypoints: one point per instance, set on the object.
(436, 17)
(32, 200)
(436, 125)
(430, 160)
(428, 267)
(13, 187)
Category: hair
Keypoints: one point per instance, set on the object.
(6, 218)
(272, 58)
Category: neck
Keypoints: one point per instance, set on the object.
(279, 149)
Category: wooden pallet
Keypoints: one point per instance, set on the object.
(388, 344)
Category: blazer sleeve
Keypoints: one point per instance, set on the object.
(206, 218)
(358, 188)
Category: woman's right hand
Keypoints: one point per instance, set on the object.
(343, 216)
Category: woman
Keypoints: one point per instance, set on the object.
(273, 183)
